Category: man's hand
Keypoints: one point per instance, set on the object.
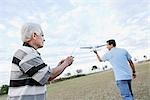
(68, 61)
(61, 62)
(95, 51)
(62, 65)
(134, 75)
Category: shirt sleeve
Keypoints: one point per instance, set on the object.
(34, 67)
(106, 57)
(128, 55)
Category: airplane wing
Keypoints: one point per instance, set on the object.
(90, 47)
(100, 46)
(86, 47)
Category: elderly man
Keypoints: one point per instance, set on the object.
(119, 58)
(29, 74)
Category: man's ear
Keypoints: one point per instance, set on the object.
(34, 35)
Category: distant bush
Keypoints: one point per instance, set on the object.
(94, 67)
(79, 71)
(68, 74)
(4, 89)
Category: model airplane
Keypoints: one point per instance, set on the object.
(90, 47)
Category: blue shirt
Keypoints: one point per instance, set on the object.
(119, 60)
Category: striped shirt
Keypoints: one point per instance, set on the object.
(29, 74)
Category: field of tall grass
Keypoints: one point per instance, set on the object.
(99, 86)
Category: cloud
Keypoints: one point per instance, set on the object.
(93, 25)
(16, 22)
(2, 27)
(13, 34)
(93, 20)
(91, 2)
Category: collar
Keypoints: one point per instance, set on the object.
(28, 45)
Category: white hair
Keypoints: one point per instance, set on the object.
(28, 29)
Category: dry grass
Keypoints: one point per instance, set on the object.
(99, 86)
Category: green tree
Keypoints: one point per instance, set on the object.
(4, 89)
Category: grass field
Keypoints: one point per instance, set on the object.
(99, 86)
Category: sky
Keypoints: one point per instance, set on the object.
(70, 24)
